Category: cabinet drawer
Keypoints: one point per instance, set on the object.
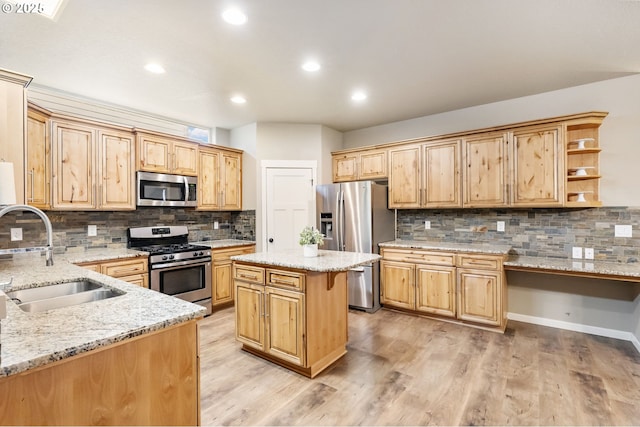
(248, 273)
(124, 268)
(285, 279)
(418, 256)
(480, 261)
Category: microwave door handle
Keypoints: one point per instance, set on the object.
(186, 189)
(164, 194)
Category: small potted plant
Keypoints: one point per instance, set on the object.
(310, 238)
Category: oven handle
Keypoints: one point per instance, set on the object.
(181, 263)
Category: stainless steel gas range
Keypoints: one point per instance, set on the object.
(176, 267)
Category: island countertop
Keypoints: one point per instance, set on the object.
(326, 261)
(30, 340)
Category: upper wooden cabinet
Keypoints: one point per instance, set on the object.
(359, 165)
(425, 175)
(219, 179)
(166, 154)
(485, 172)
(93, 167)
(38, 158)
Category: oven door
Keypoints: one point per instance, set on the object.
(187, 280)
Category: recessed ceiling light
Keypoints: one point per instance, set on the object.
(234, 16)
(359, 96)
(238, 99)
(311, 66)
(154, 68)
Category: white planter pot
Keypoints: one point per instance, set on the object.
(310, 250)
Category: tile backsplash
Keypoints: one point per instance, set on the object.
(532, 232)
(70, 227)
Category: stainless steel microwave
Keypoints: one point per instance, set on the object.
(160, 189)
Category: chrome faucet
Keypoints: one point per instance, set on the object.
(45, 219)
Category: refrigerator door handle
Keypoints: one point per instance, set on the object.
(339, 220)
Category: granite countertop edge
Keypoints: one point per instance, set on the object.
(326, 261)
(484, 248)
(594, 267)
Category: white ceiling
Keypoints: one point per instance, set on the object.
(413, 57)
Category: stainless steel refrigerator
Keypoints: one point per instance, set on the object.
(354, 217)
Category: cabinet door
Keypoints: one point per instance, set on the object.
(436, 290)
(231, 181)
(185, 158)
(38, 160)
(141, 280)
(285, 325)
(73, 156)
(373, 165)
(397, 284)
(222, 289)
(154, 154)
(485, 172)
(116, 171)
(250, 310)
(209, 179)
(480, 296)
(442, 175)
(538, 167)
(404, 177)
(344, 167)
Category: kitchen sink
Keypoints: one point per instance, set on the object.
(33, 300)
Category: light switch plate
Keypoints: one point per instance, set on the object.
(16, 234)
(92, 230)
(427, 225)
(576, 252)
(216, 225)
(623, 231)
(588, 253)
(500, 226)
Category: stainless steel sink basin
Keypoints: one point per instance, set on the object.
(60, 295)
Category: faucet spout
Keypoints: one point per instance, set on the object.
(47, 226)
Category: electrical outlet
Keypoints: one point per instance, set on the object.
(92, 230)
(16, 234)
(623, 231)
(588, 253)
(216, 225)
(500, 226)
(427, 225)
(576, 252)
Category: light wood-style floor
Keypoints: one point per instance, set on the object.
(405, 370)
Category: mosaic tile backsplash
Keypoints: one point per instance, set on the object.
(533, 232)
(70, 228)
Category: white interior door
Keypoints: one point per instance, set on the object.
(290, 206)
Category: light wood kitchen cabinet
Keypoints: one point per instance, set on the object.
(219, 179)
(166, 154)
(38, 158)
(359, 165)
(463, 287)
(222, 274)
(294, 318)
(92, 167)
(131, 270)
(425, 175)
(583, 163)
(486, 170)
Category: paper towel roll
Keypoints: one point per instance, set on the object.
(7, 184)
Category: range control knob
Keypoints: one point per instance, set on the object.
(171, 256)
(164, 257)
(196, 253)
(201, 253)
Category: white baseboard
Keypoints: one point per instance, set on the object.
(577, 327)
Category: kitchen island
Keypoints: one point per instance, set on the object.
(292, 310)
(127, 360)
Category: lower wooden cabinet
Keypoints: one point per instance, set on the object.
(222, 275)
(463, 287)
(294, 318)
(131, 270)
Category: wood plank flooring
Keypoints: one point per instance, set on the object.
(405, 370)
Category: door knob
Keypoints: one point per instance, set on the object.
(270, 239)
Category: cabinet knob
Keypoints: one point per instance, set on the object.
(270, 239)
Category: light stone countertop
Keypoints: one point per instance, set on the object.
(97, 255)
(614, 270)
(224, 243)
(30, 340)
(326, 261)
(484, 248)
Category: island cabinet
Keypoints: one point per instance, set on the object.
(219, 179)
(468, 288)
(359, 165)
(163, 153)
(132, 270)
(151, 379)
(295, 318)
(93, 166)
(222, 274)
